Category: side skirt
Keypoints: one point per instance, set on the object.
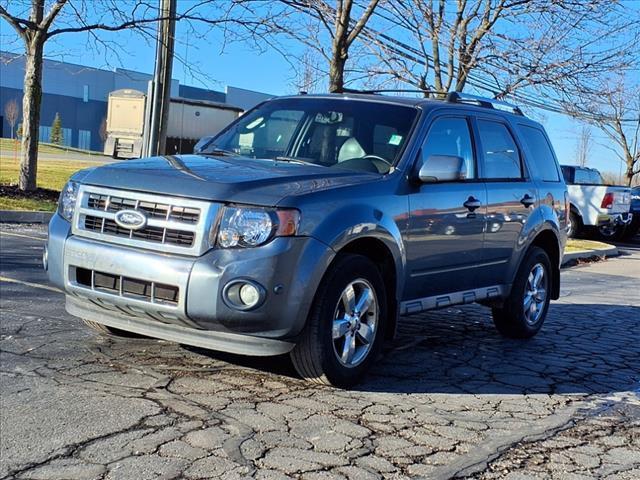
(494, 292)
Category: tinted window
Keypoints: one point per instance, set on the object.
(451, 137)
(499, 151)
(586, 176)
(542, 160)
(337, 133)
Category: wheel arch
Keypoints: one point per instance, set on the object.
(381, 255)
(548, 241)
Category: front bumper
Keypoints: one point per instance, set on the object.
(289, 269)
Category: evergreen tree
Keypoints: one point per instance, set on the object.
(56, 136)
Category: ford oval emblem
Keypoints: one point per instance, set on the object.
(131, 219)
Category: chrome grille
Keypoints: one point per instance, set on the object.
(151, 234)
(174, 224)
(151, 209)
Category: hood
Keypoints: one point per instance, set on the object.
(223, 179)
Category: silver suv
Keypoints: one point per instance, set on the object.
(312, 223)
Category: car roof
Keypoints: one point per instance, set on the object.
(416, 102)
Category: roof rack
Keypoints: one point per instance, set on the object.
(451, 97)
(457, 97)
(390, 90)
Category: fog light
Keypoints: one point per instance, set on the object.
(243, 294)
(249, 295)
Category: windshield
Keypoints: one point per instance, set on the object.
(341, 133)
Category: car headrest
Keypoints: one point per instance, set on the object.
(350, 149)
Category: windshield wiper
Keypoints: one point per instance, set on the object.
(295, 160)
(220, 152)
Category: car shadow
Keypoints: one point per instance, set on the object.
(581, 349)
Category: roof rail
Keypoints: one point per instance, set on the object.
(458, 97)
(390, 90)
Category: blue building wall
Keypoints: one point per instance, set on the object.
(75, 114)
(80, 94)
(196, 93)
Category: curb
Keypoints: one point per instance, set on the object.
(586, 254)
(18, 216)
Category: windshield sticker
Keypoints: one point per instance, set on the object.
(395, 139)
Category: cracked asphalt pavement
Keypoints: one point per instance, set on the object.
(450, 397)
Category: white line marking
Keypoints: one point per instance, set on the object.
(2, 232)
(30, 284)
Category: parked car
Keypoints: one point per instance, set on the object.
(594, 205)
(311, 223)
(634, 226)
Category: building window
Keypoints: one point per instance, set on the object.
(45, 134)
(84, 139)
(85, 93)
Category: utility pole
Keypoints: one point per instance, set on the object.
(161, 94)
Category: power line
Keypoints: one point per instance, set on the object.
(400, 48)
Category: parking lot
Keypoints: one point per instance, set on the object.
(450, 397)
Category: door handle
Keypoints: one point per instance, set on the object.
(527, 200)
(471, 204)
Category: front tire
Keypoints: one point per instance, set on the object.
(345, 328)
(525, 310)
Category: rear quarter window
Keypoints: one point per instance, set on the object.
(541, 159)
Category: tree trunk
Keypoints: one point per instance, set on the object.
(629, 173)
(31, 114)
(336, 69)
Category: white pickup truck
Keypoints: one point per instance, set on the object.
(594, 204)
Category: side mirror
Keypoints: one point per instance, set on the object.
(441, 168)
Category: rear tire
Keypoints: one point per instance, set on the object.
(525, 310)
(610, 233)
(576, 225)
(345, 328)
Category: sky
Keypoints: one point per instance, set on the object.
(214, 65)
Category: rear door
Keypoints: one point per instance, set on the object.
(511, 194)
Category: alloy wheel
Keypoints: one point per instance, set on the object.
(355, 323)
(535, 294)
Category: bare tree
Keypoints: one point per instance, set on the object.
(584, 145)
(38, 21)
(11, 113)
(614, 107)
(307, 75)
(335, 26)
(498, 45)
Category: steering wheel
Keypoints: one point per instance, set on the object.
(376, 159)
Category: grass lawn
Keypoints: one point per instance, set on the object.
(12, 203)
(52, 175)
(574, 245)
(8, 144)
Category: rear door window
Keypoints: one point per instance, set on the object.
(585, 176)
(541, 159)
(500, 156)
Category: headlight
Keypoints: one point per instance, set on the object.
(251, 226)
(67, 202)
